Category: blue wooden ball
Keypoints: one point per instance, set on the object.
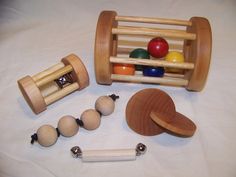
(153, 71)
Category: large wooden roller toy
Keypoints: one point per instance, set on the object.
(54, 83)
(119, 36)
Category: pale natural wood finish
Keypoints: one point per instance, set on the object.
(160, 63)
(61, 93)
(53, 76)
(199, 53)
(68, 126)
(153, 20)
(32, 94)
(173, 75)
(154, 33)
(105, 105)
(79, 73)
(48, 71)
(108, 155)
(91, 119)
(105, 46)
(49, 89)
(154, 80)
(141, 104)
(47, 135)
(180, 125)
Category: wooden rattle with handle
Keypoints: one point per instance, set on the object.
(108, 155)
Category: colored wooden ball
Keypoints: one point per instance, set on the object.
(105, 105)
(153, 71)
(91, 119)
(158, 47)
(175, 57)
(47, 135)
(123, 69)
(139, 53)
(67, 126)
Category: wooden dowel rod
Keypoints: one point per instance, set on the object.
(155, 80)
(154, 33)
(175, 75)
(153, 20)
(150, 28)
(160, 63)
(61, 93)
(54, 75)
(48, 71)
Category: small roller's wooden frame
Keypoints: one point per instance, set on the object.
(197, 41)
(41, 89)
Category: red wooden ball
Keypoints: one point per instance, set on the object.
(158, 47)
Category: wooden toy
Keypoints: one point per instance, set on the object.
(114, 40)
(158, 47)
(176, 57)
(139, 53)
(124, 69)
(108, 155)
(54, 83)
(153, 71)
(68, 125)
(151, 112)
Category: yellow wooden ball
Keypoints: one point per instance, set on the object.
(91, 119)
(47, 135)
(175, 57)
(105, 105)
(67, 126)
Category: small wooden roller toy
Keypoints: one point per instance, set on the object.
(54, 83)
(163, 51)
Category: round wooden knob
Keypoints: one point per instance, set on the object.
(91, 119)
(67, 126)
(105, 105)
(47, 135)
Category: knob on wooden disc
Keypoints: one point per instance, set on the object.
(142, 104)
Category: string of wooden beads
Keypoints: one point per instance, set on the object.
(68, 125)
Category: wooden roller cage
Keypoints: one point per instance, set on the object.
(42, 89)
(116, 38)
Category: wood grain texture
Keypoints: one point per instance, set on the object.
(180, 125)
(32, 94)
(79, 73)
(142, 104)
(105, 46)
(199, 53)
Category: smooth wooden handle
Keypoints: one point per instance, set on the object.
(108, 155)
(161, 63)
(153, 20)
(61, 93)
(48, 71)
(55, 75)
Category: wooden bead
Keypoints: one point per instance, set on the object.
(105, 105)
(47, 135)
(67, 126)
(91, 119)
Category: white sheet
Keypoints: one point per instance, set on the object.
(37, 34)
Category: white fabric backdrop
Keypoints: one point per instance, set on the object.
(37, 34)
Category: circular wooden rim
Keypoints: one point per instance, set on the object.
(32, 94)
(79, 73)
(198, 52)
(141, 105)
(105, 46)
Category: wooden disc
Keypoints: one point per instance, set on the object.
(32, 94)
(105, 46)
(142, 104)
(180, 125)
(79, 73)
(198, 52)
